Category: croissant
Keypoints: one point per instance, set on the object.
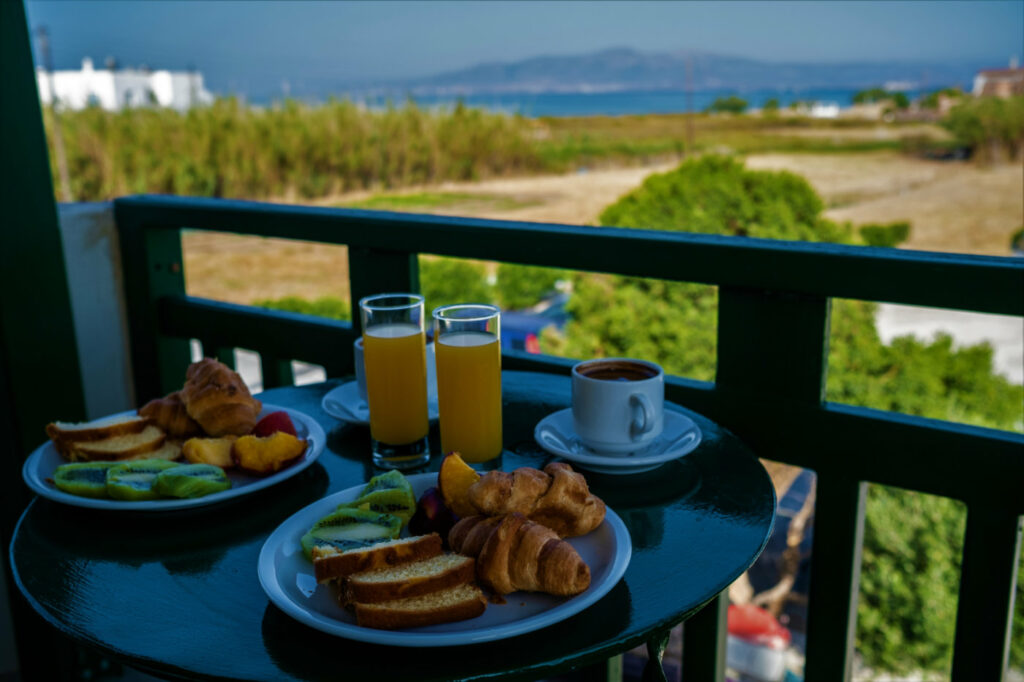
(513, 553)
(217, 398)
(169, 414)
(557, 497)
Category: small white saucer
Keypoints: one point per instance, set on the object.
(345, 404)
(680, 436)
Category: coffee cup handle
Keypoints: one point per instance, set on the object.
(645, 421)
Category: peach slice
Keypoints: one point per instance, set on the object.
(454, 480)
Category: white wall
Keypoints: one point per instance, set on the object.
(95, 283)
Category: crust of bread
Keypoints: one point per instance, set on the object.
(358, 588)
(331, 564)
(119, 447)
(459, 603)
(64, 434)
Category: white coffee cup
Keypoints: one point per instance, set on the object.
(357, 354)
(617, 404)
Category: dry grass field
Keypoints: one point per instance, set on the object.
(951, 205)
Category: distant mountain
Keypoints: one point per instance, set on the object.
(627, 69)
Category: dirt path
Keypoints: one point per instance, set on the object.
(952, 206)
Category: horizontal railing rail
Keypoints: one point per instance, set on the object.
(769, 389)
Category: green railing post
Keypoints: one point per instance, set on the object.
(374, 272)
(276, 372)
(769, 344)
(835, 578)
(984, 613)
(152, 263)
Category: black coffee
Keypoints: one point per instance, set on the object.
(618, 371)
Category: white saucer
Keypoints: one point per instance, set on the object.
(680, 436)
(345, 404)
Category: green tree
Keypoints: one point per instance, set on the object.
(871, 95)
(771, 107)
(444, 281)
(521, 286)
(728, 105)
(990, 126)
(675, 324)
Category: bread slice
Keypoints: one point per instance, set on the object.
(170, 451)
(330, 563)
(63, 434)
(441, 572)
(461, 602)
(119, 447)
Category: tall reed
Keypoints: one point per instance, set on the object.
(289, 149)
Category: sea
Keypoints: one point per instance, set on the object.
(617, 103)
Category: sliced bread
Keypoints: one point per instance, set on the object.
(441, 572)
(445, 606)
(169, 451)
(330, 563)
(119, 447)
(63, 434)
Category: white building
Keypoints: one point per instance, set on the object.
(114, 89)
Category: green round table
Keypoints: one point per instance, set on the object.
(176, 594)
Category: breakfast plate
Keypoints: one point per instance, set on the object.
(45, 459)
(680, 436)
(345, 403)
(287, 578)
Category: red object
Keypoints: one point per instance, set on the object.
(274, 422)
(532, 343)
(756, 625)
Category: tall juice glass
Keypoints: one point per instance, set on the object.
(394, 355)
(467, 346)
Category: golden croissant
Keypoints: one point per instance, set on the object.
(557, 497)
(217, 398)
(513, 553)
(169, 414)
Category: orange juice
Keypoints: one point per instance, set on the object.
(469, 394)
(396, 382)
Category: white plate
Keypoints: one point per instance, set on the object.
(41, 464)
(345, 404)
(555, 433)
(287, 578)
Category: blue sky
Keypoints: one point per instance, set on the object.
(243, 45)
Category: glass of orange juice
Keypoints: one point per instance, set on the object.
(394, 356)
(467, 348)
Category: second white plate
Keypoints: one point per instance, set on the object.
(287, 577)
(344, 403)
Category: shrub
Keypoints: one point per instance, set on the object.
(444, 281)
(521, 286)
(890, 234)
(327, 306)
(728, 105)
(990, 126)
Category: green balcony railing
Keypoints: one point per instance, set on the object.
(773, 330)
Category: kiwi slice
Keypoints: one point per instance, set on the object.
(134, 480)
(400, 503)
(389, 493)
(347, 528)
(86, 479)
(191, 480)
